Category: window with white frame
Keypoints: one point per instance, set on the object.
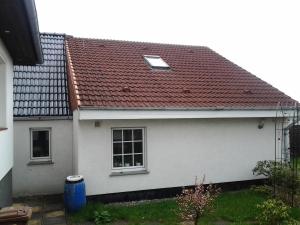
(156, 62)
(128, 148)
(40, 144)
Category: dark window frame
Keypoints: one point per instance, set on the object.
(47, 158)
(143, 153)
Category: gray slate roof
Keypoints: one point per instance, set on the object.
(42, 90)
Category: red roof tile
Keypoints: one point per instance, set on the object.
(114, 74)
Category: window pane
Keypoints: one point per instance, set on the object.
(127, 135)
(127, 147)
(138, 134)
(117, 134)
(138, 147)
(117, 161)
(138, 160)
(156, 61)
(127, 160)
(40, 143)
(117, 148)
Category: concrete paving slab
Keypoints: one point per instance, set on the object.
(47, 210)
(19, 204)
(50, 207)
(34, 222)
(38, 215)
(36, 209)
(55, 214)
(54, 220)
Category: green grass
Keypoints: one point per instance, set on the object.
(231, 208)
(139, 213)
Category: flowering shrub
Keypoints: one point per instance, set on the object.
(193, 202)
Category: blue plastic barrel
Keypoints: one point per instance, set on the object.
(74, 195)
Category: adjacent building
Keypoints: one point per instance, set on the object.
(43, 128)
(19, 44)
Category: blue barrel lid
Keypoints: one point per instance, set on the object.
(74, 178)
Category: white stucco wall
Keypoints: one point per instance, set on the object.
(177, 151)
(6, 111)
(48, 178)
(76, 133)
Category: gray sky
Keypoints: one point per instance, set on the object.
(262, 36)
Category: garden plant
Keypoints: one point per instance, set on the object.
(194, 202)
(282, 181)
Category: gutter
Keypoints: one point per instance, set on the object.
(42, 118)
(184, 108)
(31, 14)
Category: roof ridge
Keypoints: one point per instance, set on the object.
(73, 86)
(137, 42)
(53, 34)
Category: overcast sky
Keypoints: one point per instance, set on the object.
(262, 36)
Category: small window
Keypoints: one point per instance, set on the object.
(40, 144)
(156, 62)
(128, 148)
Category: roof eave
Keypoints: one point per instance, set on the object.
(19, 31)
(34, 27)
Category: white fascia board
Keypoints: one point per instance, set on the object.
(85, 114)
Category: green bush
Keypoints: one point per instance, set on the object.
(263, 189)
(102, 217)
(265, 168)
(287, 178)
(273, 212)
(291, 222)
(280, 175)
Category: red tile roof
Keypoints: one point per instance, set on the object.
(114, 74)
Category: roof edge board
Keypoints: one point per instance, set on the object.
(73, 92)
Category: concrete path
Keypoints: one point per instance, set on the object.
(47, 210)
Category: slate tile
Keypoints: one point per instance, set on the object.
(36, 86)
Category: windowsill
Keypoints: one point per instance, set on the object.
(3, 128)
(33, 163)
(124, 173)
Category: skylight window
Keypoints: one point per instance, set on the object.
(156, 62)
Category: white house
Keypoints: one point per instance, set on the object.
(43, 128)
(154, 116)
(19, 44)
(144, 118)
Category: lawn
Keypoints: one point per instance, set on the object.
(231, 208)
